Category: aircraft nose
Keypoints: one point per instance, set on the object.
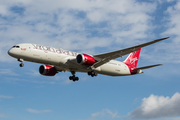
(10, 52)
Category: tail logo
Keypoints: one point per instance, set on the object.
(133, 60)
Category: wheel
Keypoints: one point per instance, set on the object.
(95, 74)
(21, 65)
(92, 75)
(89, 73)
(70, 77)
(73, 78)
(76, 78)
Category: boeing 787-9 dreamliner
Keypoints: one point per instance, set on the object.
(58, 60)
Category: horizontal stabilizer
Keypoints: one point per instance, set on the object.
(146, 67)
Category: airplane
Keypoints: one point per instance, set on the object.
(58, 60)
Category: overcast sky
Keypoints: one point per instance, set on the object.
(92, 27)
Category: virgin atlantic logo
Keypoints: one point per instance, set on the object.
(132, 59)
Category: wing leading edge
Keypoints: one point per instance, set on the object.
(106, 57)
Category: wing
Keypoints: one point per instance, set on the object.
(106, 57)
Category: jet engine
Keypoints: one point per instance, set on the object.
(47, 70)
(85, 59)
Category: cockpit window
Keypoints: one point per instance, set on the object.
(15, 46)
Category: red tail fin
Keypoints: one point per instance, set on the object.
(133, 58)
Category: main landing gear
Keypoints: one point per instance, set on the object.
(21, 60)
(73, 77)
(92, 73)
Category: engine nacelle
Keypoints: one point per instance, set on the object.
(47, 70)
(85, 59)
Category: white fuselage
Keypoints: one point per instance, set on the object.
(59, 58)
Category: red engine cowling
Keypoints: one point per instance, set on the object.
(85, 59)
(47, 70)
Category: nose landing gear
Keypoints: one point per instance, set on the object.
(21, 60)
(21, 65)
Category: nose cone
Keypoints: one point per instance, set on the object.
(10, 52)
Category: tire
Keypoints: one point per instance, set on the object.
(76, 78)
(70, 78)
(95, 74)
(89, 73)
(21, 65)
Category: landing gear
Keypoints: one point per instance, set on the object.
(21, 65)
(73, 78)
(92, 73)
(21, 60)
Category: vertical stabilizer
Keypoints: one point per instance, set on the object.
(133, 58)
